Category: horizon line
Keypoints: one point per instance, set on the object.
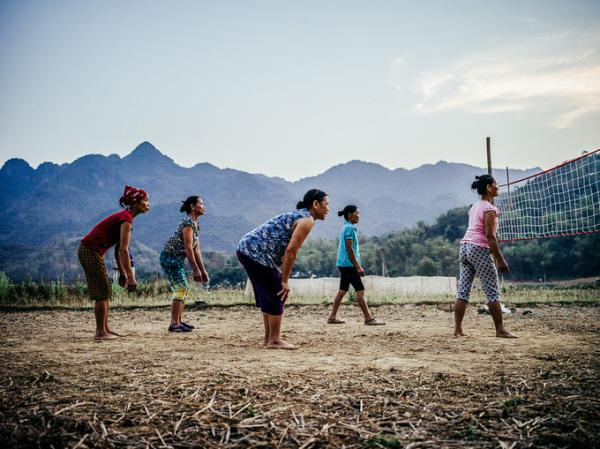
(256, 173)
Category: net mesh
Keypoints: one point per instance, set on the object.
(564, 200)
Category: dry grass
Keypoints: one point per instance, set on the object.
(407, 384)
(512, 294)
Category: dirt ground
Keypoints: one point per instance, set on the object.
(407, 384)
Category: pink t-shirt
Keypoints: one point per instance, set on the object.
(476, 231)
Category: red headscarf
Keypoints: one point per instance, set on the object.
(131, 195)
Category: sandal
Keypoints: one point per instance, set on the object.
(374, 322)
(179, 329)
(335, 321)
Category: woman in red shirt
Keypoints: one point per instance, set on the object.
(114, 229)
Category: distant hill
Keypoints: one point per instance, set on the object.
(395, 199)
(43, 206)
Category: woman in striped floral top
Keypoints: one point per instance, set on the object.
(182, 245)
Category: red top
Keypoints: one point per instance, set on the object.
(107, 233)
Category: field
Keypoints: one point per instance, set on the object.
(407, 384)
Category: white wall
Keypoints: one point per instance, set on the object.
(413, 285)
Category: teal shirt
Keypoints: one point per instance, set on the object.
(348, 232)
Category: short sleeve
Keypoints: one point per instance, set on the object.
(187, 221)
(489, 207)
(125, 216)
(348, 233)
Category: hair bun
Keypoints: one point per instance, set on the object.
(340, 213)
(481, 182)
(310, 197)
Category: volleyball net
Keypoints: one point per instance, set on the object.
(561, 201)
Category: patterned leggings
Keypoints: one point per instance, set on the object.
(174, 268)
(477, 260)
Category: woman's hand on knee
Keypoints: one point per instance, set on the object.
(283, 293)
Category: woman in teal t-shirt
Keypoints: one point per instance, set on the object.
(351, 271)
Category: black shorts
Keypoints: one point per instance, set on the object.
(349, 275)
(266, 283)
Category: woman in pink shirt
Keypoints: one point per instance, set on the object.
(476, 250)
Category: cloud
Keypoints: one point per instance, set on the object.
(531, 20)
(395, 71)
(561, 70)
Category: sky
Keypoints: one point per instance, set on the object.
(291, 88)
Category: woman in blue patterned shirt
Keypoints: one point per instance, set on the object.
(183, 244)
(268, 253)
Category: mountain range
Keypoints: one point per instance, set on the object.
(44, 206)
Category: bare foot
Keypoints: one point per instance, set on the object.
(104, 336)
(335, 321)
(114, 333)
(459, 333)
(505, 334)
(374, 322)
(280, 345)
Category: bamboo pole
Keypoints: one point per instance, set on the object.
(489, 155)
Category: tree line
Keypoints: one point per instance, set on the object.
(421, 250)
(432, 250)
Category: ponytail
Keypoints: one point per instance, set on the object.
(346, 211)
(310, 197)
(186, 206)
